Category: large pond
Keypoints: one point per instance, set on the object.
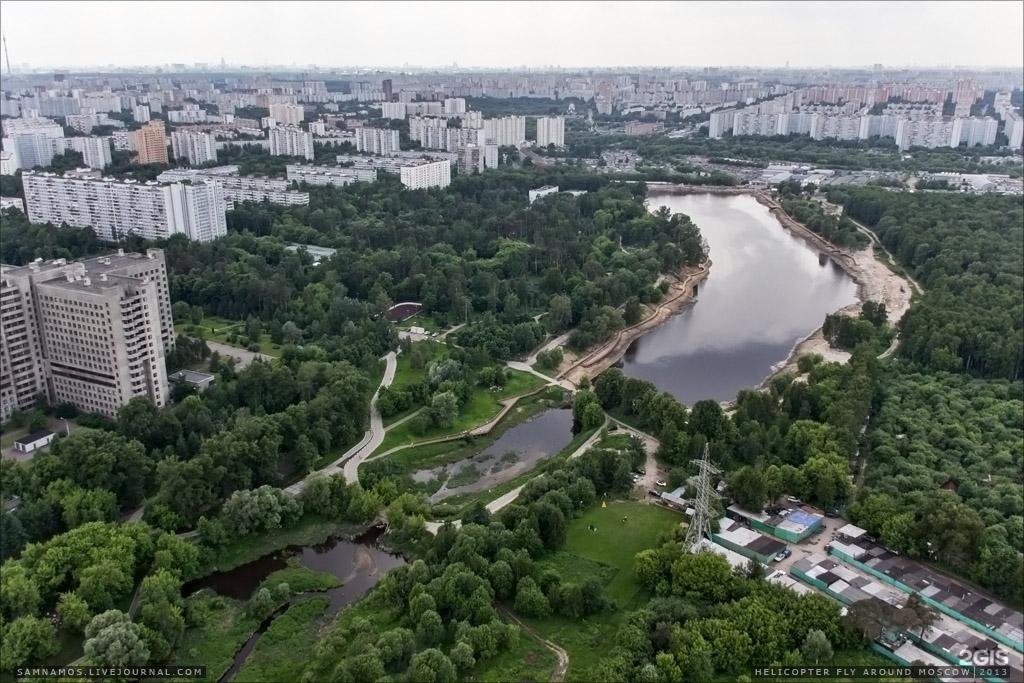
(767, 290)
(516, 451)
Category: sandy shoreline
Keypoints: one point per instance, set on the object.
(874, 280)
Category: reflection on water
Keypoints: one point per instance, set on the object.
(517, 450)
(358, 564)
(767, 290)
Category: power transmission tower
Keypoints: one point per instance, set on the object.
(703, 509)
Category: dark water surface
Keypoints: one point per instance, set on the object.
(519, 449)
(358, 564)
(767, 290)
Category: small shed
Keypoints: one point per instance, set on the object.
(193, 378)
(34, 441)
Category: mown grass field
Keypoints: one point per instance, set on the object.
(606, 554)
(482, 406)
(215, 328)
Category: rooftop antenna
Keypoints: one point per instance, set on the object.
(700, 524)
(7, 56)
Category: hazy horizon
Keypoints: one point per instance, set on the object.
(511, 35)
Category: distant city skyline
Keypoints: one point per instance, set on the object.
(515, 34)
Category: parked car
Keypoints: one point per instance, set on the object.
(783, 554)
(661, 483)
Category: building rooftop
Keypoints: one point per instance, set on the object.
(745, 537)
(938, 587)
(98, 271)
(34, 436)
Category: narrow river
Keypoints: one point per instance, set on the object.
(767, 290)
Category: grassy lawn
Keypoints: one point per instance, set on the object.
(424, 320)
(402, 463)
(527, 661)
(482, 406)
(215, 328)
(406, 374)
(300, 579)
(310, 530)
(212, 644)
(283, 651)
(615, 441)
(608, 555)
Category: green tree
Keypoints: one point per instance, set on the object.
(28, 640)
(816, 647)
(431, 666)
(111, 639)
(530, 601)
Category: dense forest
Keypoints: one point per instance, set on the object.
(943, 478)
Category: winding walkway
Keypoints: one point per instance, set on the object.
(350, 460)
(558, 674)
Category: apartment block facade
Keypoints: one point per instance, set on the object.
(150, 143)
(115, 208)
(198, 148)
(291, 141)
(91, 333)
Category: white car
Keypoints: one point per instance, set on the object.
(661, 483)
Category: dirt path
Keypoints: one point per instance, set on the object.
(558, 675)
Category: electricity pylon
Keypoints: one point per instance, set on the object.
(703, 510)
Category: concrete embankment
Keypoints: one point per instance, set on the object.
(681, 293)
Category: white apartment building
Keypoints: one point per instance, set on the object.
(472, 119)
(236, 188)
(198, 148)
(1014, 129)
(491, 156)
(190, 113)
(454, 105)
(141, 113)
(337, 176)
(380, 141)
(506, 130)
(318, 127)
(115, 208)
(457, 138)
(123, 141)
(29, 150)
(974, 131)
(91, 333)
(471, 159)
(923, 133)
(721, 122)
(550, 131)
(287, 114)
(431, 133)
(392, 110)
(426, 174)
(424, 108)
(95, 151)
(291, 141)
(8, 163)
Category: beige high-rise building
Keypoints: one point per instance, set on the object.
(151, 143)
(90, 333)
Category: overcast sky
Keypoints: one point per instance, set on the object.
(508, 34)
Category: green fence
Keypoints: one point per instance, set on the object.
(945, 609)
